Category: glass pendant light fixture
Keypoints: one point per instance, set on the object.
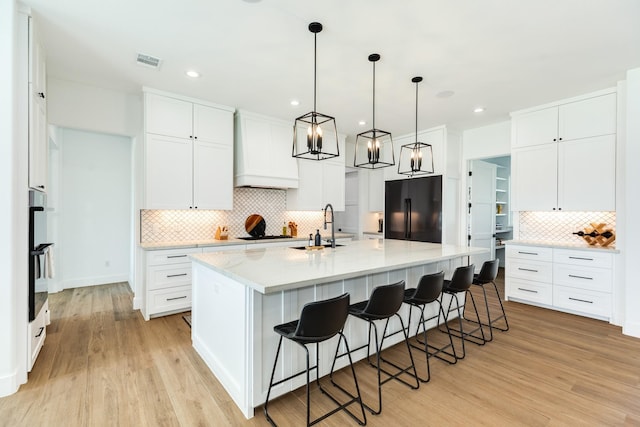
(374, 148)
(315, 136)
(416, 158)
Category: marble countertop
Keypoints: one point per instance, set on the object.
(578, 246)
(231, 241)
(275, 269)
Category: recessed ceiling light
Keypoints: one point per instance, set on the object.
(445, 94)
(478, 110)
(193, 74)
(295, 102)
(362, 123)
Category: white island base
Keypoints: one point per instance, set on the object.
(238, 297)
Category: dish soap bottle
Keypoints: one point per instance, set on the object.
(310, 239)
(318, 239)
(284, 228)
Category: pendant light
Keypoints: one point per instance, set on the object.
(374, 147)
(416, 158)
(315, 136)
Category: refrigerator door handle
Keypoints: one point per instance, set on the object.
(409, 216)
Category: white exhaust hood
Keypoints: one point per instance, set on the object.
(262, 152)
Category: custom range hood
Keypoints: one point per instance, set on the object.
(262, 152)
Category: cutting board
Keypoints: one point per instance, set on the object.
(255, 225)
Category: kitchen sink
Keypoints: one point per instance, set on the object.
(302, 248)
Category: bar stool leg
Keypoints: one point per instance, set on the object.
(273, 373)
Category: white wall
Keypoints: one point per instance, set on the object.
(631, 239)
(94, 208)
(487, 141)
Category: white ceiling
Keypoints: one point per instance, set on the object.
(503, 55)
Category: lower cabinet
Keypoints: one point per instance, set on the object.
(37, 332)
(573, 280)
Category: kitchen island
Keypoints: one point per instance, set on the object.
(239, 296)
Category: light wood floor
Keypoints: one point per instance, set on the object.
(103, 365)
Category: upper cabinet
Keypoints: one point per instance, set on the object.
(585, 118)
(263, 148)
(188, 153)
(320, 182)
(564, 156)
(38, 138)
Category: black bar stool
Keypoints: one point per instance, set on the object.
(319, 321)
(487, 275)
(461, 283)
(428, 291)
(384, 303)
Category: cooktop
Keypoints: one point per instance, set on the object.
(264, 237)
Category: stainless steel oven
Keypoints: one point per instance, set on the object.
(39, 258)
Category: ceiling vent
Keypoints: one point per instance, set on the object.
(148, 61)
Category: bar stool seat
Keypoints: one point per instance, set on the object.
(319, 321)
(428, 291)
(384, 303)
(487, 275)
(461, 283)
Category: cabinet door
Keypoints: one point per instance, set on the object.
(255, 146)
(333, 186)
(168, 172)
(168, 116)
(591, 117)
(376, 190)
(535, 128)
(309, 194)
(535, 178)
(38, 143)
(212, 124)
(587, 174)
(212, 175)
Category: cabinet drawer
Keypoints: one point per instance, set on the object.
(529, 291)
(159, 277)
(533, 253)
(589, 302)
(583, 258)
(595, 279)
(170, 256)
(37, 331)
(529, 270)
(171, 299)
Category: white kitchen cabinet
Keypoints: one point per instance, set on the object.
(595, 115)
(319, 183)
(577, 175)
(168, 279)
(37, 332)
(38, 138)
(263, 152)
(376, 190)
(576, 280)
(188, 154)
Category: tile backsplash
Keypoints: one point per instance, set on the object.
(188, 225)
(557, 226)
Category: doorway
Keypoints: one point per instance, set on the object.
(92, 208)
(489, 222)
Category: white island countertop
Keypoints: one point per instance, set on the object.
(268, 270)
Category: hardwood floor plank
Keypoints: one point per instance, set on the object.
(103, 364)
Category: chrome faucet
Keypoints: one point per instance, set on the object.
(333, 234)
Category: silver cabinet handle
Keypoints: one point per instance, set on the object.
(580, 277)
(176, 275)
(173, 299)
(528, 290)
(581, 258)
(40, 331)
(176, 256)
(581, 300)
(528, 269)
(528, 253)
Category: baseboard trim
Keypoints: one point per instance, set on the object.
(94, 281)
(632, 329)
(9, 384)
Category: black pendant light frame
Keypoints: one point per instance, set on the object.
(374, 142)
(309, 125)
(417, 157)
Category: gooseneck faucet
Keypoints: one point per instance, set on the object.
(333, 234)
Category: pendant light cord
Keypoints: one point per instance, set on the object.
(315, 55)
(374, 98)
(417, 112)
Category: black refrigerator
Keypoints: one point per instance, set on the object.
(413, 209)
